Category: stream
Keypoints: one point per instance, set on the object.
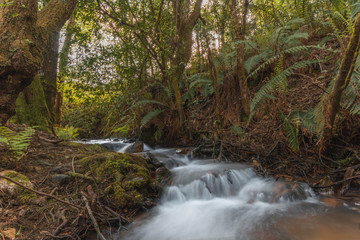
(211, 200)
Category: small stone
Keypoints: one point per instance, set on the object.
(60, 178)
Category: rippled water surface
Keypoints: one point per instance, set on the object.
(210, 200)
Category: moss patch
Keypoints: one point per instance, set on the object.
(18, 193)
(126, 178)
(31, 107)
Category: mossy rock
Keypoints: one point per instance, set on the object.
(127, 179)
(8, 188)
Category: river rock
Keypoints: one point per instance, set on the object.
(289, 191)
(12, 190)
(136, 147)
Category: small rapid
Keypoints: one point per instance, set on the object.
(210, 200)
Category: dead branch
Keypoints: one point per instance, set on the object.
(39, 193)
(336, 183)
(92, 217)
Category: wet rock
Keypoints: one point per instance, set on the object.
(152, 159)
(136, 147)
(182, 151)
(114, 146)
(163, 175)
(289, 191)
(9, 189)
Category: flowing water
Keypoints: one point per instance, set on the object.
(210, 200)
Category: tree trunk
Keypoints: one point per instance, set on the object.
(341, 82)
(240, 71)
(48, 73)
(213, 76)
(183, 45)
(63, 61)
(24, 35)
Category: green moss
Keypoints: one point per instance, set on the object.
(22, 195)
(125, 178)
(31, 107)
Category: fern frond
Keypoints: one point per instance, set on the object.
(274, 83)
(150, 116)
(292, 133)
(145, 102)
(273, 59)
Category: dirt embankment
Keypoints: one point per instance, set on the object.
(68, 184)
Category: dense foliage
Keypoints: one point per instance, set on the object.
(120, 59)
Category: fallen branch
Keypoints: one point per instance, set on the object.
(93, 219)
(336, 183)
(39, 193)
(50, 141)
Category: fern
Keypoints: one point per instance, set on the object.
(273, 59)
(150, 116)
(17, 142)
(292, 132)
(350, 98)
(145, 102)
(275, 82)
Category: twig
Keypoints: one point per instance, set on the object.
(39, 193)
(65, 221)
(93, 219)
(72, 164)
(336, 183)
(116, 214)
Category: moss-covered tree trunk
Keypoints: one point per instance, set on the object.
(24, 35)
(185, 23)
(342, 80)
(63, 61)
(240, 71)
(35, 105)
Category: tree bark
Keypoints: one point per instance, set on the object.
(63, 61)
(341, 82)
(213, 76)
(24, 35)
(240, 71)
(185, 23)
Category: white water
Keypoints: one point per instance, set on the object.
(209, 200)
